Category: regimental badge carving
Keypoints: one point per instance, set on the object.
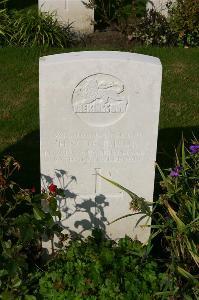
(100, 94)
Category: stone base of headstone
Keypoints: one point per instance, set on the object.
(104, 38)
(70, 11)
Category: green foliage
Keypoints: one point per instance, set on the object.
(138, 204)
(180, 28)
(176, 214)
(101, 269)
(32, 28)
(97, 268)
(141, 8)
(184, 20)
(4, 21)
(22, 225)
(151, 28)
(179, 219)
(119, 14)
(154, 29)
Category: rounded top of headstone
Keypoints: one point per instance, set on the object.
(98, 55)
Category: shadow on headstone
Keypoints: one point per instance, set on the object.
(80, 213)
(27, 152)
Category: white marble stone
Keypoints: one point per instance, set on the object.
(70, 11)
(99, 114)
(159, 5)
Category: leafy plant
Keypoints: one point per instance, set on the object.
(184, 20)
(98, 268)
(4, 21)
(33, 28)
(141, 8)
(101, 269)
(118, 14)
(154, 29)
(177, 220)
(30, 28)
(22, 225)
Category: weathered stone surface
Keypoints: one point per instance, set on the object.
(99, 114)
(70, 11)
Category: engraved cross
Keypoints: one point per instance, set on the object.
(98, 189)
(98, 184)
(66, 5)
(97, 180)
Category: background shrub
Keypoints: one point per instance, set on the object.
(117, 14)
(32, 28)
(181, 27)
(155, 29)
(184, 20)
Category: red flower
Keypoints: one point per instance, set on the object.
(33, 190)
(52, 188)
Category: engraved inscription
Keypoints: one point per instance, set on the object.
(94, 148)
(100, 100)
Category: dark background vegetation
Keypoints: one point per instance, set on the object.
(20, 4)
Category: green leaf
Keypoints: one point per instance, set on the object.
(30, 297)
(17, 282)
(53, 204)
(166, 293)
(193, 250)
(125, 216)
(152, 236)
(186, 274)
(3, 272)
(118, 185)
(181, 226)
(7, 244)
(27, 233)
(7, 296)
(141, 218)
(183, 156)
(187, 297)
(142, 204)
(166, 180)
(38, 213)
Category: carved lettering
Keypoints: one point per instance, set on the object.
(107, 147)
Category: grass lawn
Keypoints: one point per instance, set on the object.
(19, 100)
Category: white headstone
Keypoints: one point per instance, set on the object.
(99, 114)
(70, 11)
(159, 5)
